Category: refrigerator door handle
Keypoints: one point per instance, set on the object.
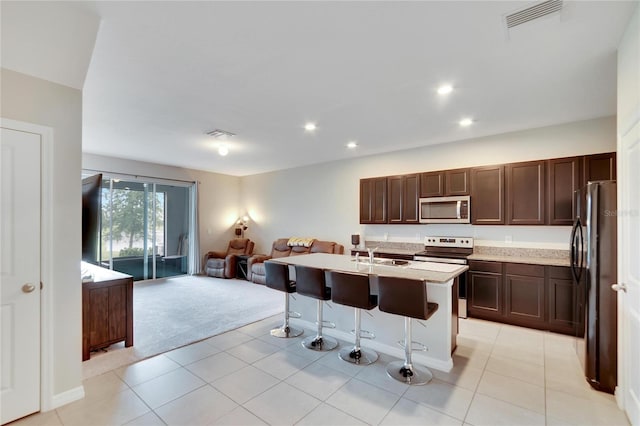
(580, 251)
(576, 259)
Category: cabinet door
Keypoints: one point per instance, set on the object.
(411, 201)
(98, 312)
(373, 200)
(432, 184)
(487, 195)
(525, 193)
(456, 182)
(485, 295)
(117, 312)
(395, 192)
(562, 301)
(599, 167)
(403, 193)
(525, 302)
(563, 178)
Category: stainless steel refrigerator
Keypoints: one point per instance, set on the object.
(594, 268)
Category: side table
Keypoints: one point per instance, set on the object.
(241, 266)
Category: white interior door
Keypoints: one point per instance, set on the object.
(629, 271)
(20, 274)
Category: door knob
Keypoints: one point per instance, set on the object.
(619, 287)
(28, 288)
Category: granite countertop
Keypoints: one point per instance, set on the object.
(426, 271)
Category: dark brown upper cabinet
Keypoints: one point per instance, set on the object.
(404, 194)
(525, 193)
(373, 200)
(599, 167)
(456, 182)
(432, 184)
(444, 183)
(487, 195)
(563, 179)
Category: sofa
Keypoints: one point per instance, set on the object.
(222, 264)
(283, 247)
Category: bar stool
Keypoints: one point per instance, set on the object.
(277, 278)
(354, 290)
(310, 282)
(406, 297)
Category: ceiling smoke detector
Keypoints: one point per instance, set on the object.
(219, 133)
(536, 11)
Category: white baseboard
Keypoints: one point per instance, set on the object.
(67, 397)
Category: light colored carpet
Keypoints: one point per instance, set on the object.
(174, 312)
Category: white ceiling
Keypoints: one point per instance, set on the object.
(164, 73)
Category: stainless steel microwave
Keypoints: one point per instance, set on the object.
(445, 209)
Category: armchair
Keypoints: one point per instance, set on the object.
(223, 264)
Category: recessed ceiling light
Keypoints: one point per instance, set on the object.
(310, 127)
(223, 150)
(465, 122)
(352, 144)
(445, 89)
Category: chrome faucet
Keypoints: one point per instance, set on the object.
(371, 251)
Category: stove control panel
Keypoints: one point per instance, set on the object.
(462, 242)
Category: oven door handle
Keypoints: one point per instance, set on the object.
(458, 208)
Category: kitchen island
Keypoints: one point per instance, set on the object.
(437, 334)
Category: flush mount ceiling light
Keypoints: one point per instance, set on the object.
(310, 127)
(465, 122)
(223, 150)
(352, 144)
(445, 89)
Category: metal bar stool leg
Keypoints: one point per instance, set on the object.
(320, 342)
(405, 371)
(286, 331)
(356, 354)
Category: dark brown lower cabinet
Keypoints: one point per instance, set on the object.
(485, 288)
(535, 296)
(565, 316)
(524, 294)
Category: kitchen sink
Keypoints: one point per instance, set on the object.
(383, 262)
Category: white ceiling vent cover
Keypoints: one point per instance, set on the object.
(219, 133)
(533, 12)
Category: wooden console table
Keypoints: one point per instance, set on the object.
(107, 309)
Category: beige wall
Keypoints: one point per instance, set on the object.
(37, 101)
(322, 200)
(219, 195)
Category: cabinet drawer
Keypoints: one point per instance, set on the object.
(485, 266)
(524, 269)
(561, 272)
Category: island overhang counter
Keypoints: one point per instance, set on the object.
(437, 334)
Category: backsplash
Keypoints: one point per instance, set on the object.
(394, 245)
(521, 252)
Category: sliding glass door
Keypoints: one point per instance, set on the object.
(145, 228)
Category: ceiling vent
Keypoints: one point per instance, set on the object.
(219, 133)
(533, 12)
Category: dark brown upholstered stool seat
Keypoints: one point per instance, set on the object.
(351, 289)
(406, 297)
(277, 278)
(310, 282)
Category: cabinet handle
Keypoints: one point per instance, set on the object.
(619, 287)
(28, 288)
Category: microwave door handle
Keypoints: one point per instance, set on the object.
(458, 208)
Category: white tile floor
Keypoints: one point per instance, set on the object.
(503, 375)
